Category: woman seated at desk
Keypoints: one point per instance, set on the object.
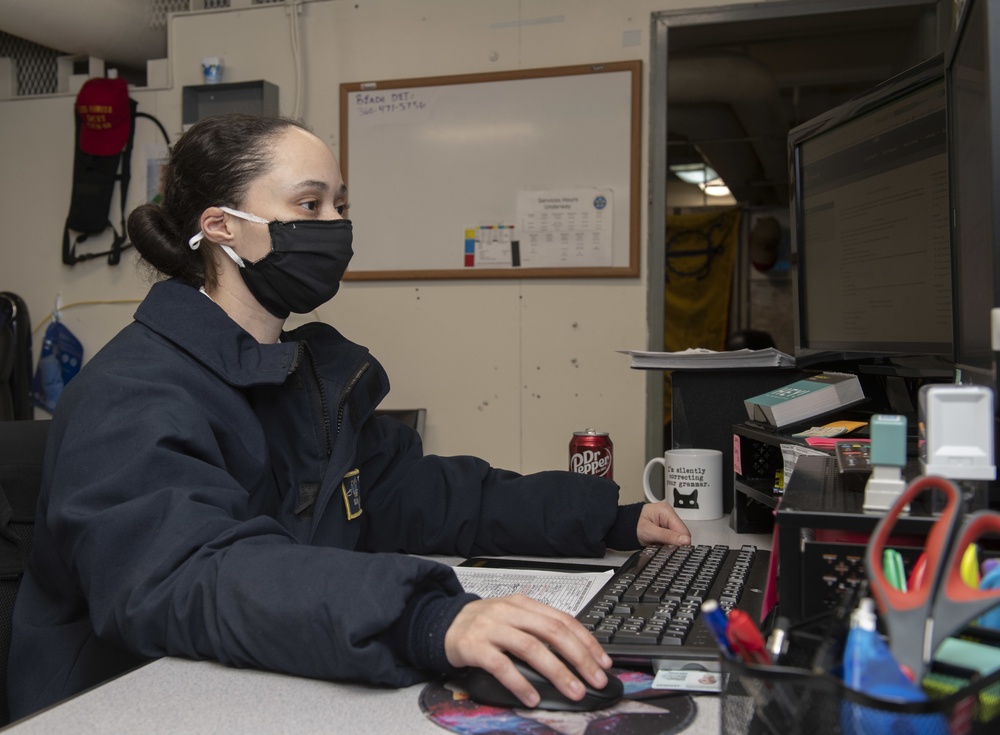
(217, 488)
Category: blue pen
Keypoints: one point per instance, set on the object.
(717, 623)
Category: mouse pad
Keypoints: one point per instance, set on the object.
(643, 711)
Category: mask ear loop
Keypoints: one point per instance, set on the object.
(195, 241)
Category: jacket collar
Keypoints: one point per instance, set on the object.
(180, 313)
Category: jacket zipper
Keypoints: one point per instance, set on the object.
(323, 403)
(347, 392)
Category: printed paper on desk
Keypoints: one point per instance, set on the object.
(566, 591)
(565, 228)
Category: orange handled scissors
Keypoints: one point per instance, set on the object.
(942, 602)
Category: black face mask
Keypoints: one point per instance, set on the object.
(304, 268)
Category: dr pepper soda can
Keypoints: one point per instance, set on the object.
(590, 453)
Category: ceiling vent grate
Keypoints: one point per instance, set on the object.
(36, 65)
(160, 9)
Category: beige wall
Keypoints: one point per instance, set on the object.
(507, 369)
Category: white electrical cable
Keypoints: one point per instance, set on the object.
(293, 28)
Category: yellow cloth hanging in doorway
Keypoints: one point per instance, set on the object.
(700, 253)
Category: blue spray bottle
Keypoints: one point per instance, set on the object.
(870, 668)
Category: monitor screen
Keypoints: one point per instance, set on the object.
(870, 228)
(973, 139)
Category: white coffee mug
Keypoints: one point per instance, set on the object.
(692, 482)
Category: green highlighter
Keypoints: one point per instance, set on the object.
(892, 565)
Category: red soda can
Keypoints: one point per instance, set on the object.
(590, 453)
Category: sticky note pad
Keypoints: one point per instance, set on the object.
(979, 657)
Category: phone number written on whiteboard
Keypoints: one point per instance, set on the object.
(367, 103)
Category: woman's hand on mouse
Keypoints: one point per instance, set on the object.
(485, 630)
(659, 524)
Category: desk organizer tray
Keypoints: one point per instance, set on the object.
(791, 700)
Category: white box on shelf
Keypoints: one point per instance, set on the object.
(70, 77)
(158, 73)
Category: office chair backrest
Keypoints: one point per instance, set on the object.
(15, 358)
(8, 356)
(22, 450)
(415, 418)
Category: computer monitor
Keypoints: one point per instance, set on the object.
(973, 76)
(870, 231)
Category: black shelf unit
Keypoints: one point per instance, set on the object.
(754, 496)
(705, 404)
(823, 531)
(204, 100)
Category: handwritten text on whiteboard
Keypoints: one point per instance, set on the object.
(387, 103)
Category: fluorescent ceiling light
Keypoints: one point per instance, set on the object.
(694, 173)
(715, 188)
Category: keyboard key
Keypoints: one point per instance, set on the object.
(641, 637)
(634, 593)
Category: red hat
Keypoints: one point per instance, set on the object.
(105, 117)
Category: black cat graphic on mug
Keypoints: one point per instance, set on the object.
(686, 501)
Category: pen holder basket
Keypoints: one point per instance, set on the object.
(792, 700)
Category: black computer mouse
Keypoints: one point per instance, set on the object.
(485, 688)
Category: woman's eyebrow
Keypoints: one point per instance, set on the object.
(313, 184)
(320, 185)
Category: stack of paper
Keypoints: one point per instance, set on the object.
(701, 359)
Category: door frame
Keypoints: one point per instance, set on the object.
(660, 25)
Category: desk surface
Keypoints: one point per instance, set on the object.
(175, 695)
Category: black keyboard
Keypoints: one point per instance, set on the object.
(649, 613)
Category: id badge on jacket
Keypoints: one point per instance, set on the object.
(350, 487)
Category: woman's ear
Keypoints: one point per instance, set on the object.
(215, 225)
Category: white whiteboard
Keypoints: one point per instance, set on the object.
(428, 161)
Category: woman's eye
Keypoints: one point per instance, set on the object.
(342, 208)
(311, 206)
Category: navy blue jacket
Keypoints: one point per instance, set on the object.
(210, 497)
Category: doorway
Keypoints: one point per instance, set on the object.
(726, 86)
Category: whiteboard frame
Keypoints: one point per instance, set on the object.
(629, 270)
